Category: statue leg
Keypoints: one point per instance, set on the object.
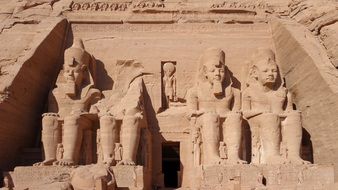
(232, 134)
(108, 137)
(130, 137)
(72, 138)
(51, 136)
(292, 136)
(256, 148)
(270, 137)
(211, 138)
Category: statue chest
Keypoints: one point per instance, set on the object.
(65, 104)
(268, 101)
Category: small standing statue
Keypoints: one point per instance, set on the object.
(98, 146)
(7, 183)
(118, 152)
(197, 141)
(59, 151)
(169, 82)
(223, 150)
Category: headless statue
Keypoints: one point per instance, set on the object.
(216, 104)
(68, 107)
(267, 106)
(119, 121)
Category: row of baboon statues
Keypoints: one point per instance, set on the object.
(215, 109)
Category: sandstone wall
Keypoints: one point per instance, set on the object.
(25, 83)
(31, 55)
(313, 81)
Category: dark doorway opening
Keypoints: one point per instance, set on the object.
(171, 163)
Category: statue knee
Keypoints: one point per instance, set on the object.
(130, 121)
(72, 119)
(269, 118)
(294, 115)
(210, 118)
(50, 122)
(107, 121)
(233, 117)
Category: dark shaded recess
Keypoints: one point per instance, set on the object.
(171, 163)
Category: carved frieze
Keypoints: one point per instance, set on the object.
(116, 6)
(149, 4)
(100, 6)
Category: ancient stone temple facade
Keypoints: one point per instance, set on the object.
(168, 94)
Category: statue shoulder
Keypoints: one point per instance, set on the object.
(247, 92)
(235, 91)
(282, 92)
(57, 91)
(192, 92)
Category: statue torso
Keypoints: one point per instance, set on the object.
(208, 102)
(66, 104)
(271, 101)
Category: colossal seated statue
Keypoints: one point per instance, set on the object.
(68, 107)
(267, 105)
(216, 106)
(121, 114)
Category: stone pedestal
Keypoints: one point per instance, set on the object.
(246, 177)
(54, 177)
(40, 178)
(129, 177)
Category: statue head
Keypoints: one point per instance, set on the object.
(213, 69)
(264, 69)
(169, 69)
(76, 67)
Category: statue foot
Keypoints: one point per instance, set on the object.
(235, 161)
(64, 162)
(48, 162)
(127, 162)
(297, 161)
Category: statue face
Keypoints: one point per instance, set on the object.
(168, 73)
(169, 69)
(267, 72)
(74, 73)
(214, 71)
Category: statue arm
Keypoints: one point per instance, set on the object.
(237, 100)
(289, 102)
(132, 103)
(192, 102)
(192, 99)
(52, 103)
(246, 106)
(91, 97)
(174, 86)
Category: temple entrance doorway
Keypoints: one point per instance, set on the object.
(171, 164)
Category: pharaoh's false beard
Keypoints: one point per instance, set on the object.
(217, 88)
(70, 88)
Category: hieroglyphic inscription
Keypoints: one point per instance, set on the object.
(100, 6)
(150, 4)
(242, 5)
(116, 6)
